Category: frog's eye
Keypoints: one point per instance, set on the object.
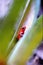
(21, 33)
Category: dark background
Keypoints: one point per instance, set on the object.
(41, 9)
(42, 4)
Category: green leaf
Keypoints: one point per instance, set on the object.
(31, 14)
(8, 24)
(27, 44)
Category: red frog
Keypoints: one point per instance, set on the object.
(21, 33)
